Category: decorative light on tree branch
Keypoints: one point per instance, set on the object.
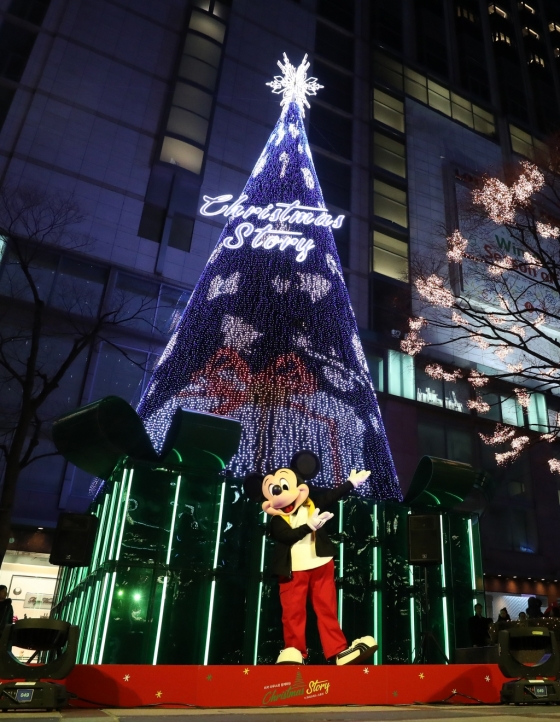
(479, 405)
(269, 336)
(433, 289)
(435, 371)
(523, 397)
(546, 231)
(456, 247)
(502, 434)
(554, 465)
(477, 379)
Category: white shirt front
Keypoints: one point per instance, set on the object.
(304, 555)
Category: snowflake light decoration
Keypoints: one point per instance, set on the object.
(294, 84)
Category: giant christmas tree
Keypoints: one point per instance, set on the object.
(269, 336)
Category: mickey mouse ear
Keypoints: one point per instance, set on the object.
(306, 464)
(252, 486)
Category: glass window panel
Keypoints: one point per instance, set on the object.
(43, 476)
(198, 71)
(389, 154)
(221, 10)
(537, 412)
(203, 49)
(524, 531)
(388, 70)
(438, 89)
(117, 374)
(437, 101)
(484, 126)
(207, 26)
(172, 303)
(375, 365)
(456, 396)
(388, 110)
(79, 287)
(390, 203)
(415, 85)
(431, 440)
(204, 4)
(191, 98)
(184, 154)
(136, 300)
(459, 445)
(401, 375)
(458, 112)
(187, 124)
(512, 411)
(389, 264)
(43, 266)
(462, 102)
(180, 235)
(53, 352)
(494, 401)
(428, 390)
(521, 142)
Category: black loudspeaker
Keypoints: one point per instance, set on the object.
(424, 541)
(73, 541)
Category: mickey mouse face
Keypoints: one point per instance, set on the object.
(283, 492)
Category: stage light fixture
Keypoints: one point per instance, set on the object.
(58, 642)
(530, 653)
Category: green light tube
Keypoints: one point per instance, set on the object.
(109, 524)
(340, 559)
(471, 552)
(412, 620)
(445, 627)
(123, 519)
(375, 572)
(261, 569)
(213, 586)
(210, 612)
(442, 566)
(81, 638)
(375, 623)
(107, 617)
(99, 535)
(167, 561)
(116, 522)
(99, 614)
(160, 620)
(90, 626)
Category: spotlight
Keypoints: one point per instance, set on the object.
(58, 641)
(531, 654)
(137, 597)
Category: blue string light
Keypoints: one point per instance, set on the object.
(269, 336)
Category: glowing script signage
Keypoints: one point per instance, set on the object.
(269, 237)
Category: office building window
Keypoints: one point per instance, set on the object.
(390, 203)
(388, 70)
(388, 110)
(177, 152)
(334, 46)
(390, 256)
(445, 442)
(526, 7)
(335, 179)
(497, 10)
(331, 131)
(537, 413)
(339, 13)
(445, 394)
(525, 144)
(375, 366)
(500, 37)
(554, 27)
(338, 90)
(512, 411)
(152, 221)
(389, 154)
(180, 235)
(33, 11)
(536, 60)
(401, 374)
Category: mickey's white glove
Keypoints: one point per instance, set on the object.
(317, 520)
(358, 477)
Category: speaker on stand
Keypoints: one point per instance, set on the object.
(74, 539)
(424, 550)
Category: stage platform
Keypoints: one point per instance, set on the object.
(222, 686)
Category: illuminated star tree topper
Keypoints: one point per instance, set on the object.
(294, 84)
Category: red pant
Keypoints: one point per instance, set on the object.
(319, 585)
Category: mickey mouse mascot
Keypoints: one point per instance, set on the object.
(303, 556)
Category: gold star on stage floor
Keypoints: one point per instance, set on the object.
(453, 691)
(158, 694)
(395, 693)
(209, 677)
(421, 675)
(126, 677)
(487, 678)
(366, 670)
(246, 670)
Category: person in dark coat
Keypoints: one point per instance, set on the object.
(6, 609)
(533, 610)
(478, 628)
(303, 557)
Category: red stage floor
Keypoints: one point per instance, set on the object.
(274, 686)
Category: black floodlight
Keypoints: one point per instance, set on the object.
(529, 653)
(58, 642)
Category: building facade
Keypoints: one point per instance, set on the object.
(139, 109)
